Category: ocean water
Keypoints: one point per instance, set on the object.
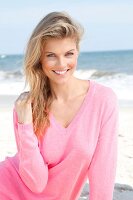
(110, 68)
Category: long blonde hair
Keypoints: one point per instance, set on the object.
(53, 25)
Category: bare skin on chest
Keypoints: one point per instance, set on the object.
(64, 112)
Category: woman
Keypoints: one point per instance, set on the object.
(65, 127)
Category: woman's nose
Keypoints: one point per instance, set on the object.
(61, 62)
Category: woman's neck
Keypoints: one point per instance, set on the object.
(66, 91)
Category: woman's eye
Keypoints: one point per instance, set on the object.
(69, 54)
(50, 55)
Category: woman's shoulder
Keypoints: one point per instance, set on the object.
(104, 92)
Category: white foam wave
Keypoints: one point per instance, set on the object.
(122, 84)
(3, 56)
(85, 74)
(12, 75)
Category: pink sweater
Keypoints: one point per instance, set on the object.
(58, 167)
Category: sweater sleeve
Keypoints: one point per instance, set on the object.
(32, 168)
(102, 170)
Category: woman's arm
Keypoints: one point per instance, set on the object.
(32, 168)
(102, 170)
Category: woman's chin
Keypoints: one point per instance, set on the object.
(61, 81)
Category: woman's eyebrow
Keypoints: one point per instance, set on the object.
(55, 53)
(71, 50)
(48, 52)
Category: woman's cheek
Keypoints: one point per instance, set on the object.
(73, 64)
(49, 65)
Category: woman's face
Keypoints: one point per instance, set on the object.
(59, 59)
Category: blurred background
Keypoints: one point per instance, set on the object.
(106, 48)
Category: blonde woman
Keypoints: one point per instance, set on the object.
(65, 127)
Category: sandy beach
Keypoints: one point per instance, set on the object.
(124, 176)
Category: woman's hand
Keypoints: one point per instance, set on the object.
(24, 108)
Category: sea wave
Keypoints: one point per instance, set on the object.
(12, 75)
(3, 56)
(12, 83)
(91, 73)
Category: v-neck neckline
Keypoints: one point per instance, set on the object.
(76, 116)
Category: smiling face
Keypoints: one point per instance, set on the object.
(59, 59)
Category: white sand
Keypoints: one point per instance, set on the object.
(124, 177)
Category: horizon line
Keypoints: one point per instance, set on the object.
(82, 51)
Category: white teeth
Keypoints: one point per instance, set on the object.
(60, 72)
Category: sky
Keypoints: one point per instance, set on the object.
(108, 24)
